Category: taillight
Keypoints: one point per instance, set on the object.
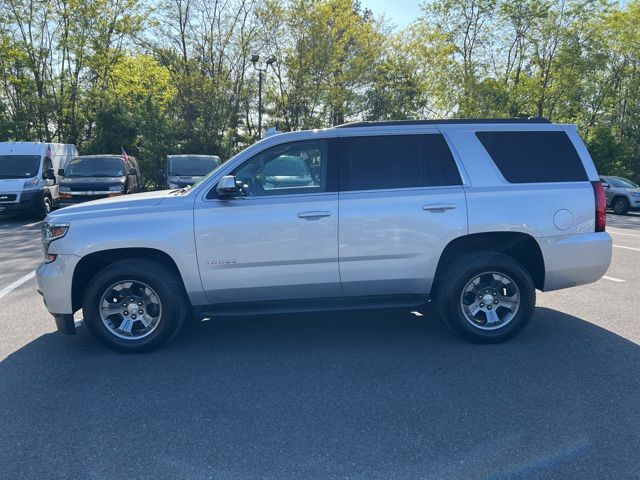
(601, 206)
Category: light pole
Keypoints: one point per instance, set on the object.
(270, 61)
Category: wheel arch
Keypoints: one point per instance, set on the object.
(618, 196)
(521, 246)
(92, 263)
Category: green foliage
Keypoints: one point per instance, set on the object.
(175, 76)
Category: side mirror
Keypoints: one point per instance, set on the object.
(48, 174)
(132, 171)
(227, 187)
(61, 172)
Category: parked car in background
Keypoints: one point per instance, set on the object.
(622, 194)
(284, 172)
(184, 170)
(91, 177)
(28, 180)
(469, 216)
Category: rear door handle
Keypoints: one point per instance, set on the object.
(312, 215)
(438, 207)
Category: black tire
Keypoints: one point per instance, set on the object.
(165, 283)
(451, 286)
(45, 207)
(621, 206)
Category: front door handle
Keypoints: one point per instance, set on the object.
(438, 207)
(313, 215)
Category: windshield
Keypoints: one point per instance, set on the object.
(19, 166)
(622, 182)
(192, 166)
(209, 175)
(95, 167)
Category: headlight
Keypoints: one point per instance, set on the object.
(51, 232)
(65, 189)
(116, 188)
(31, 183)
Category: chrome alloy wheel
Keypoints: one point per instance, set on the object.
(130, 309)
(490, 300)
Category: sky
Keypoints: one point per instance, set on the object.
(399, 12)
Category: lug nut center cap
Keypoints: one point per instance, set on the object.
(487, 299)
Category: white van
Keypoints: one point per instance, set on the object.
(29, 175)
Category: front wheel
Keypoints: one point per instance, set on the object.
(135, 305)
(486, 297)
(45, 207)
(621, 206)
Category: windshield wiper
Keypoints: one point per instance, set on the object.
(181, 190)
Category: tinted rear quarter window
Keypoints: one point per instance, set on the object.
(396, 161)
(534, 157)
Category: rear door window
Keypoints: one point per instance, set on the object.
(534, 157)
(396, 161)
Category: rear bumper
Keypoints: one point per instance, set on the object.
(575, 259)
(54, 282)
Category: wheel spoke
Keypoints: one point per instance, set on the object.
(126, 326)
(511, 302)
(492, 316)
(497, 283)
(474, 309)
(111, 307)
(146, 320)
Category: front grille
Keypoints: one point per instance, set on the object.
(8, 197)
(90, 187)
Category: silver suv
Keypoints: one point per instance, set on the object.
(622, 194)
(471, 216)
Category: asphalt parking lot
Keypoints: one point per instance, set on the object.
(373, 395)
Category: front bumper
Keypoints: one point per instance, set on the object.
(572, 260)
(54, 282)
(27, 201)
(76, 199)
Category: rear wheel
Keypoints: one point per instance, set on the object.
(486, 297)
(135, 305)
(620, 206)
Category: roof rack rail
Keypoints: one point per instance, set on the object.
(444, 121)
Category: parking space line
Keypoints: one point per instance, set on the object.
(625, 234)
(16, 284)
(613, 279)
(29, 225)
(627, 248)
